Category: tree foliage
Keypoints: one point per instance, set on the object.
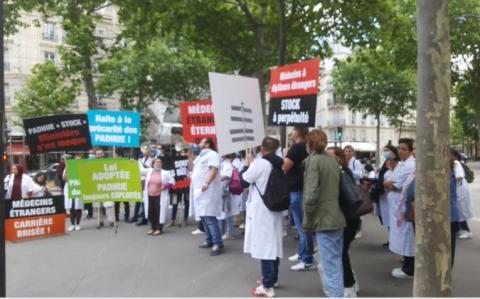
(46, 92)
(158, 71)
(368, 82)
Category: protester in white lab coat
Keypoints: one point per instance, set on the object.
(207, 194)
(73, 206)
(353, 163)
(156, 195)
(402, 237)
(19, 185)
(264, 228)
(139, 210)
(464, 202)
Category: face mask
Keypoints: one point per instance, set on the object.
(158, 168)
(91, 156)
(387, 155)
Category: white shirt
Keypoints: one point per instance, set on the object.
(357, 169)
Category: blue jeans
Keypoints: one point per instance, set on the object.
(305, 242)
(227, 225)
(330, 247)
(269, 272)
(212, 230)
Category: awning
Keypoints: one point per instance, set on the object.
(358, 146)
(17, 149)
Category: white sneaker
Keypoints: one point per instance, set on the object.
(465, 235)
(358, 235)
(78, 227)
(356, 286)
(197, 232)
(71, 228)
(398, 273)
(349, 292)
(241, 226)
(294, 258)
(285, 233)
(302, 266)
(260, 291)
(228, 237)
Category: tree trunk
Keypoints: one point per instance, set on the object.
(282, 53)
(88, 82)
(377, 153)
(433, 255)
(260, 55)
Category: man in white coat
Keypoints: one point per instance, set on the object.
(402, 237)
(264, 228)
(207, 195)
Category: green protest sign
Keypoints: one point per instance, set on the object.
(100, 180)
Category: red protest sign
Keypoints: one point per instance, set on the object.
(295, 79)
(197, 120)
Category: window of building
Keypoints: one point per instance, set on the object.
(49, 31)
(7, 93)
(354, 135)
(354, 117)
(49, 56)
(364, 135)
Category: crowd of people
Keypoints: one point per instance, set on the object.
(231, 191)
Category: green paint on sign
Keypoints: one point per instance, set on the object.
(100, 180)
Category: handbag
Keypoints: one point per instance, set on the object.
(355, 201)
(349, 201)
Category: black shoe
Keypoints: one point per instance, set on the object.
(385, 245)
(89, 216)
(205, 245)
(125, 219)
(133, 220)
(142, 223)
(217, 250)
(101, 224)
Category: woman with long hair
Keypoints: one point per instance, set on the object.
(19, 185)
(349, 282)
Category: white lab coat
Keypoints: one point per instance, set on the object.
(357, 169)
(28, 186)
(167, 179)
(263, 228)
(226, 170)
(402, 237)
(209, 202)
(464, 202)
(383, 201)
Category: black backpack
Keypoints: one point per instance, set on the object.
(469, 176)
(277, 193)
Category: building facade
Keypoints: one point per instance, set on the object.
(36, 44)
(357, 127)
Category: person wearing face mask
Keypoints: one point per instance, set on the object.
(207, 195)
(378, 191)
(155, 195)
(401, 238)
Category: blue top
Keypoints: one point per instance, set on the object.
(453, 197)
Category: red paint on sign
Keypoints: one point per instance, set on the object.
(295, 79)
(197, 120)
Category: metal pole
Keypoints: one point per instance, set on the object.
(3, 272)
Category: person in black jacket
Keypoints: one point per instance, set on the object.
(350, 284)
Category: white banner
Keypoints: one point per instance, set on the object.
(237, 110)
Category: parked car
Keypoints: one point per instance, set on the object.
(50, 171)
